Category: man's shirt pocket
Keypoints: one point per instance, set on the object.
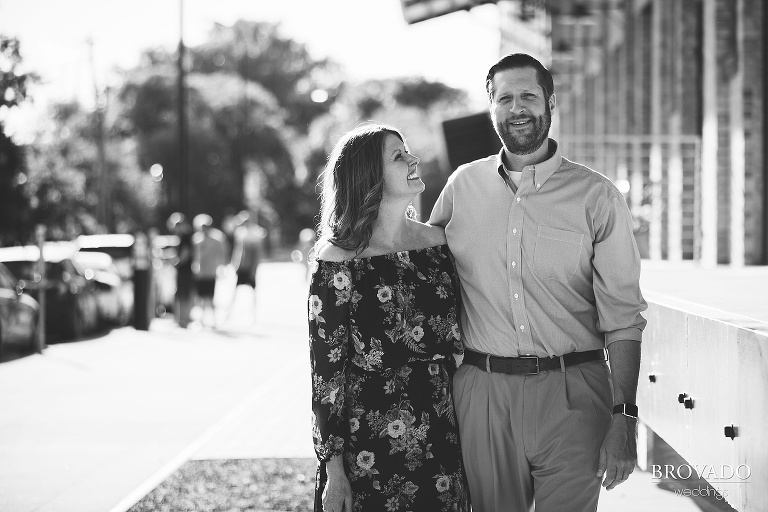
(557, 253)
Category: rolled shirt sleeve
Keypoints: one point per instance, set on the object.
(616, 276)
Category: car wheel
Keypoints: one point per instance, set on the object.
(77, 327)
(32, 340)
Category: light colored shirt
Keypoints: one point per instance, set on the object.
(249, 245)
(546, 268)
(211, 252)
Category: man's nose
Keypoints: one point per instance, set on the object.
(517, 107)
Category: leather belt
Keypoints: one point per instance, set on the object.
(529, 365)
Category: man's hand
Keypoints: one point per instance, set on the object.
(618, 455)
(337, 496)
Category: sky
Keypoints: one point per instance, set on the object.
(369, 38)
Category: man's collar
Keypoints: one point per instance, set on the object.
(542, 170)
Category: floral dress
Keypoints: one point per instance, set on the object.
(382, 331)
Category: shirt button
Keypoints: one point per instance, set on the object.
(516, 296)
(522, 327)
(514, 264)
(538, 185)
(514, 231)
(518, 199)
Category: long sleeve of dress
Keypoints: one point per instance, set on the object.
(329, 323)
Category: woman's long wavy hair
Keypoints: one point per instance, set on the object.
(352, 187)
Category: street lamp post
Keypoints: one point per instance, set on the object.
(183, 183)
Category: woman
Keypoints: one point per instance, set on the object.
(383, 322)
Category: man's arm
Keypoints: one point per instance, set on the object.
(619, 305)
(443, 208)
(618, 454)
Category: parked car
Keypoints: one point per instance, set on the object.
(70, 298)
(18, 312)
(114, 293)
(118, 246)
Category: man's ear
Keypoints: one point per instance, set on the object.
(552, 102)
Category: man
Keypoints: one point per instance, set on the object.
(549, 275)
(178, 225)
(210, 255)
(247, 254)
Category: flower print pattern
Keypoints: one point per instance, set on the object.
(365, 460)
(384, 294)
(382, 333)
(315, 307)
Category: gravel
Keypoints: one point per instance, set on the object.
(235, 485)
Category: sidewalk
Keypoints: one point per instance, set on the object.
(95, 425)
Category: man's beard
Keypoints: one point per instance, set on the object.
(525, 144)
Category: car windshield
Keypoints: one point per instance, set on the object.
(27, 269)
(21, 269)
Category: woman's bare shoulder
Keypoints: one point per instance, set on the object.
(330, 252)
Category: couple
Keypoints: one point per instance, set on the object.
(536, 255)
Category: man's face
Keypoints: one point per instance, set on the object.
(520, 112)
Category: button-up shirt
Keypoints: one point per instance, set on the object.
(546, 268)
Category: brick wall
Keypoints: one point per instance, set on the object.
(754, 127)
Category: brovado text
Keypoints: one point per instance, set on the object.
(708, 472)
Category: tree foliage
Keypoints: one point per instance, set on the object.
(63, 186)
(262, 116)
(13, 91)
(258, 53)
(249, 102)
(414, 105)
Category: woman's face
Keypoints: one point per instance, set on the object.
(400, 173)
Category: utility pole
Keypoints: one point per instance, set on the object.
(183, 181)
(183, 195)
(101, 164)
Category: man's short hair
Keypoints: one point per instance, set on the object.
(519, 61)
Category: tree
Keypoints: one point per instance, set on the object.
(63, 182)
(414, 105)
(249, 97)
(258, 53)
(14, 224)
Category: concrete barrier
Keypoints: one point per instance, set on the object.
(704, 389)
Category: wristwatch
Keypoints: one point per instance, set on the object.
(626, 409)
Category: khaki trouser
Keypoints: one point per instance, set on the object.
(527, 438)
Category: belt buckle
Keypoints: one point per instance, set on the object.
(488, 363)
(537, 364)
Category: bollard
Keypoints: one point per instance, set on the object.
(142, 283)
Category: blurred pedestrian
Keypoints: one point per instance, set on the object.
(301, 252)
(178, 225)
(383, 322)
(248, 252)
(550, 279)
(210, 256)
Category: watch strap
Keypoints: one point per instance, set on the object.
(626, 409)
